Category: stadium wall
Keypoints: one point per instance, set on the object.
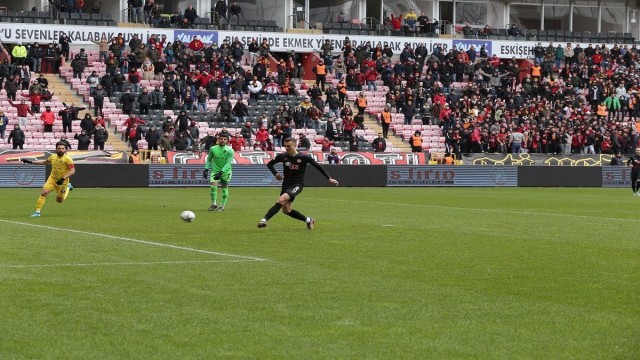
(190, 175)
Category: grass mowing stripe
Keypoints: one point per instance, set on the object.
(123, 264)
(516, 212)
(138, 241)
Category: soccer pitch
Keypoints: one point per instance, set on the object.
(387, 273)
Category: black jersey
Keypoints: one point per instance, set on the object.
(634, 161)
(295, 167)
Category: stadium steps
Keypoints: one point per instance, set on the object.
(70, 96)
(371, 122)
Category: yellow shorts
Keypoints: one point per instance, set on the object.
(59, 189)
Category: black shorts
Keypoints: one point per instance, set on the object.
(292, 190)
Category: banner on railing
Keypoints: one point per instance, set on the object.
(528, 159)
(78, 156)
(278, 41)
(346, 158)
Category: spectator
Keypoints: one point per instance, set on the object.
(379, 144)
(410, 20)
(153, 138)
(484, 32)
(221, 10)
(17, 135)
(361, 103)
(67, 144)
(84, 140)
(514, 31)
(396, 22)
(240, 111)
(303, 143)
(67, 117)
(617, 160)
(333, 157)
(237, 142)
(235, 11)
(225, 109)
(96, 6)
(4, 121)
(255, 87)
(190, 14)
(467, 30)
(248, 133)
(165, 145)
(87, 125)
(65, 46)
(136, 11)
(321, 74)
(19, 54)
(416, 142)
(36, 54)
(48, 117)
(134, 157)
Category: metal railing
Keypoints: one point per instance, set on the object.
(445, 27)
(374, 24)
(130, 15)
(54, 12)
(527, 33)
(220, 21)
(296, 20)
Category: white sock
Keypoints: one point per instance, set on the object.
(308, 220)
(263, 220)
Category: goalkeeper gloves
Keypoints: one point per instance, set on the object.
(26, 161)
(217, 176)
(205, 174)
(60, 181)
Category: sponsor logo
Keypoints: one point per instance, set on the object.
(207, 37)
(24, 175)
(466, 45)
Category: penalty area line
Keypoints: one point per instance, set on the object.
(137, 241)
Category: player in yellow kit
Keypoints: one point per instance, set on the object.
(62, 169)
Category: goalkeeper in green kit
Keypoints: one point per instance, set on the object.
(218, 170)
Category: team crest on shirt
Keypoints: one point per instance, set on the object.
(299, 161)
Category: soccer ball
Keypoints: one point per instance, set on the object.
(187, 216)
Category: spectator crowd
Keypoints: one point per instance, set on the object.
(570, 100)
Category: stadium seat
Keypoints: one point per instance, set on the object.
(202, 21)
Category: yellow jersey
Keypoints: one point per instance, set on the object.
(60, 165)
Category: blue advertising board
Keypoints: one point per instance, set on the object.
(616, 176)
(186, 35)
(22, 176)
(466, 44)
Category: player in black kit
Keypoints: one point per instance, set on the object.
(634, 161)
(294, 165)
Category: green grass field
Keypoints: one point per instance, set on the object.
(390, 273)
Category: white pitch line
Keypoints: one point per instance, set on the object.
(477, 209)
(120, 264)
(138, 241)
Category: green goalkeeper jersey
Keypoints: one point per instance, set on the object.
(220, 159)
